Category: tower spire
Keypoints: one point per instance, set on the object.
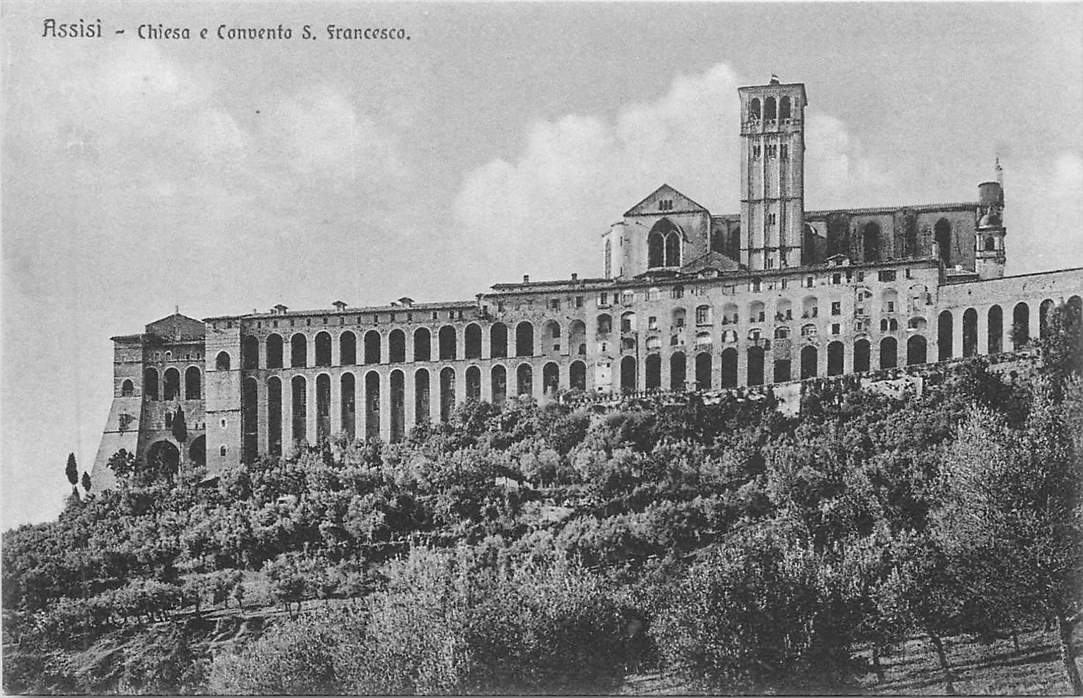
(999, 171)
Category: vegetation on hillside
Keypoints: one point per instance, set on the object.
(545, 548)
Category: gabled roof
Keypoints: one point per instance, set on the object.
(177, 327)
(649, 205)
(711, 260)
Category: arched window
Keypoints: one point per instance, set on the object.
(525, 375)
(729, 368)
(628, 374)
(1020, 325)
(754, 108)
(655, 250)
(942, 235)
(996, 329)
(783, 310)
(274, 351)
(447, 341)
(347, 348)
(498, 340)
(604, 325)
(472, 342)
(348, 408)
(784, 108)
(372, 405)
(678, 367)
(550, 378)
(473, 382)
(323, 349)
(577, 375)
(703, 315)
(944, 328)
(870, 241)
(396, 346)
(577, 338)
(298, 351)
(422, 408)
(703, 370)
(769, 109)
(299, 412)
(499, 385)
(222, 450)
(862, 354)
(524, 339)
(809, 357)
(889, 352)
(677, 319)
(1043, 318)
(221, 362)
(127, 388)
(756, 312)
(970, 332)
(423, 344)
(835, 355)
(990, 244)
(782, 333)
(150, 384)
(673, 249)
(810, 308)
(193, 383)
(551, 337)
(398, 400)
(171, 384)
(916, 349)
(628, 321)
(372, 347)
(249, 353)
(755, 365)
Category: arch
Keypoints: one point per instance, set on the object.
(862, 356)
(398, 400)
(472, 341)
(678, 367)
(422, 400)
(372, 405)
(164, 455)
(250, 353)
(551, 337)
(298, 351)
(550, 378)
(889, 300)
(473, 382)
(944, 329)
(1020, 325)
(729, 368)
(524, 339)
(222, 361)
(756, 312)
(870, 242)
(770, 109)
(396, 346)
(942, 236)
(299, 413)
(783, 310)
(604, 325)
(150, 383)
(197, 452)
(274, 415)
(372, 347)
(127, 388)
(347, 349)
(809, 357)
(673, 249)
(836, 352)
(171, 389)
(447, 341)
(656, 246)
(704, 315)
(652, 372)
(274, 351)
(422, 344)
(348, 404)
(970, 332)
(677, 319)
(754, 108)
(782, 370)
(729, 314)
(755, 366)
(784, 107)
(628, 374)
(577, 375)
(889, 352)
(498, 341)
(1043, 317)
(499, 385)
(323, 349)
(916, 350)
(193, 383)
(524, 380)
(628, 321)
(577, 338)
(704, 368)
(323, 407)
(810, 307)
(996, 329)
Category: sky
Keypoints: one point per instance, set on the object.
(498, 140)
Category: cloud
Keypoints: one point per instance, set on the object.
(542, 209)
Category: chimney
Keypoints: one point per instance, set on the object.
(526, 278)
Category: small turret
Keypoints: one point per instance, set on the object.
(989, 254)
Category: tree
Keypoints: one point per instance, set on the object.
(86, 481)
(180, 428)
(72, 470)
(1013, 499)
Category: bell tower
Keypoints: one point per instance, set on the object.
(772, 174)
(989, 256)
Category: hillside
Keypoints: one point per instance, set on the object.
(539, 548)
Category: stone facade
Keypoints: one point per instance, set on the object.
(687, 301)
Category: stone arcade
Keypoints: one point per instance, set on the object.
(688, 301)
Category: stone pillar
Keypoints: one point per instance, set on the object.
(310, 414)
(336, 397)
(385, 402)
(983, 330)
(742, 364)
(287, 414)
(264, 441)
(1035, 320)
(336, 353)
